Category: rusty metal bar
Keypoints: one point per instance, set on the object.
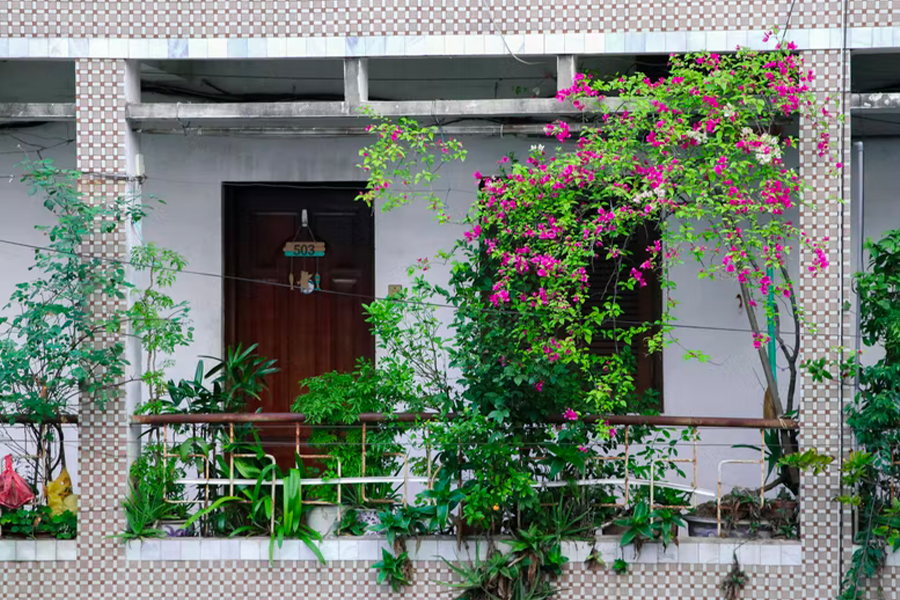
(28, 420)
(625, 420)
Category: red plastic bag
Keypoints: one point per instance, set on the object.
(14, 492)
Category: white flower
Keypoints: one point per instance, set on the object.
(728, 111)
(539, 148)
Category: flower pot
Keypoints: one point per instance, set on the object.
(708, 528)
(175, 528)
(369, 516)
(323, 519)
(613, 529)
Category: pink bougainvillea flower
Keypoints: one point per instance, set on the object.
(570, 415)
(539, 386)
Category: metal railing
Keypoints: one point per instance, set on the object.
(369, 420)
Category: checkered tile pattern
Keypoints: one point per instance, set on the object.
(821, 296)
(355, 580)
(278, 18)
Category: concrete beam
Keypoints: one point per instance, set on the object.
(256, 111)
(37, 111)
(356, 80)
(875, 102)
(566, 64)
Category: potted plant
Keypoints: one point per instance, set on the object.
(742, 516)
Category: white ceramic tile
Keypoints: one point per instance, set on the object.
(170, 549)
(892, 559)
(736, 39)
(708, 554)
(18, 47)
(376, 45)
(151, 550)
(676, 41)
(257, 48)
(573, 43)
(138, 48)
(494, 46)
(447, 550)
(295, 47)
(45, 550)
(609, 551)
(748, 554)
(118, 48)
(290, 550)
(503, 547)
(331, 550)
(395, 45)
(190, 550)
(615, 42)
(655, 42)
(473, 44)
(860, 37)
(26, 550)
(533, 43)
(230, 549)
(417, 45)
(688, 553)
(158, 49)
(770, 554)
(348, 549)
(66, 550)
(716, 41)
(819, 39)
(78, 48)
(354, 46)
(669, 554)
(199, 48)
(790, 555)
(594, 43)
(882, 37)
(726, 553)
(335, 46)
(316, 46)
(251, 550)
(896, 35)
(516, 43)
(554, 43)
(635, 41)
(133, 550)
(4, 47)
(304, 552)
(38, 47)
(7, 550)
(836, 38)
(799, 37)
(210, 549)
(454, 45)
(276, 47)
(424, 550)
(630, 555)
(176, 48)
(696, 41)
(369, 550)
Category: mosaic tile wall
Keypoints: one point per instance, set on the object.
(825, 525)
(230, 18)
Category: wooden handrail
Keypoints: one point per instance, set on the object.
(651, 420)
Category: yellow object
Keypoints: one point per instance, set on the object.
(59, 495)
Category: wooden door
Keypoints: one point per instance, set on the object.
(308, 334)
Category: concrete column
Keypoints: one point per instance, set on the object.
(566, 64)
(356, 80)
(824, 523)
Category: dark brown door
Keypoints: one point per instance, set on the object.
(308, 334)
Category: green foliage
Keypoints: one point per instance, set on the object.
(644, 525)
(338, 399)
(620, 566)
(227, 386)
(808, 460)
(869, 473)
(395, 570)
(518, 575)
(144, 507)
(403, 162)
(31, 522)
(734, 580)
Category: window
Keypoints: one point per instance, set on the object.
(642, 304)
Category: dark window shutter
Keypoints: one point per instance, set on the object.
(639, 305)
